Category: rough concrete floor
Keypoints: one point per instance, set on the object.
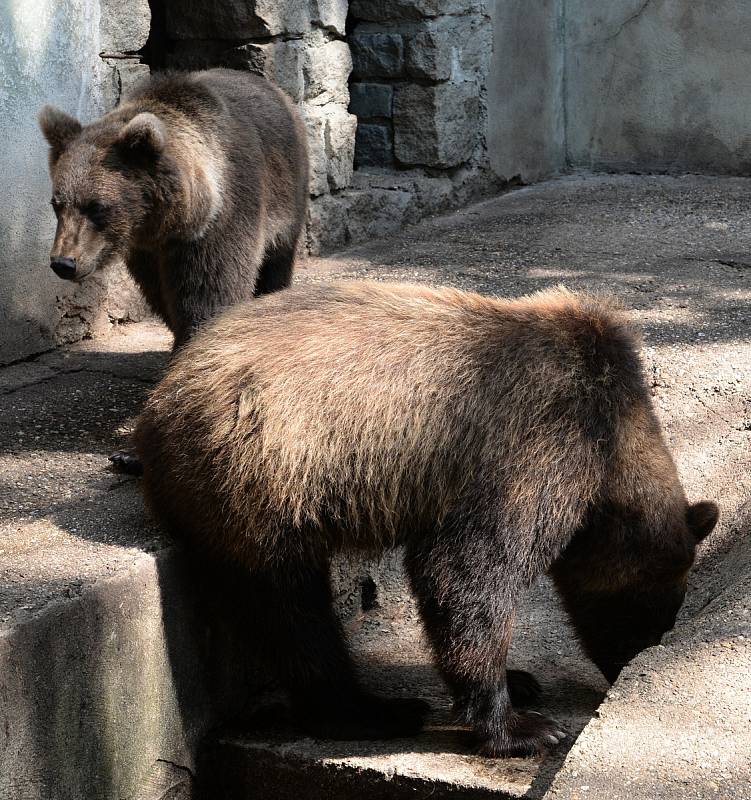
(678, 253)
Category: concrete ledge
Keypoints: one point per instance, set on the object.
(677, 724)
(96, 692)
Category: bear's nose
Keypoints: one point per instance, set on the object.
(64, 267)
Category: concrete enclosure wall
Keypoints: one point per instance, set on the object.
(525, 89)
(646, 85)
(659, 85)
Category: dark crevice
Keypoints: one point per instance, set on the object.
(369, 595)
(732, 263)
(156, 50)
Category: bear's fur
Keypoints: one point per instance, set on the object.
(198, 181)
(495, 440)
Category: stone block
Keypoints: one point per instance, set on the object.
(315, 124)
(371, 100)
(392, 10)
(374, 145)
(456, 48)
(331, 15)
(341, 127)
(436, 126)
(377, 55)
(326, 227)
(109, 83)
(428, 57)
(235, 19)
(326, 69)
(123, 300)
(280, 62)
(331, 143)
(356, 215)
(124, 27)
(122, 75)
(131, 73)
(374, 213)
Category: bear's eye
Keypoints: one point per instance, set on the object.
(56, 205)
(96, 212)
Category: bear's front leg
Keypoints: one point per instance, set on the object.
(500, 729)
(466, 600)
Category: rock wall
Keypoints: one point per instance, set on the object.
(369, 78)
(300, 46)
(418, 85)
(50, 53)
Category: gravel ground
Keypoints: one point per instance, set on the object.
(677, 252)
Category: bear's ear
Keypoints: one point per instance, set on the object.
(143, 138)
(701, 519)
(58, 129)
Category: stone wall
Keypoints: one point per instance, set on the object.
(418, 84)
(418, 89)
(300, 46)
(50, 53)
(430, 84)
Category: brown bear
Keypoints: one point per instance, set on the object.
(495, 440)
(198, 181)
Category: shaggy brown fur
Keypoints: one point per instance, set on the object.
(496, 440)
(198, 181)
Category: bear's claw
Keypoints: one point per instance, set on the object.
(126, 463)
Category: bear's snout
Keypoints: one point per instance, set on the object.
(64, 267)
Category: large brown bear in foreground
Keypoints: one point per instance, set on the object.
(495, 440)
(198, 181)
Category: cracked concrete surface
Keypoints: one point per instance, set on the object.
(622, 25)
(82, 567)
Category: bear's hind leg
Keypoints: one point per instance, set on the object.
(307, 644)
(466, 596)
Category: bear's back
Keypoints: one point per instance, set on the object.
(376, 407)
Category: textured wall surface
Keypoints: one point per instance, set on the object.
(393, 95)
(646, 85)
(659, 85)
(50, 53)
(525, 89)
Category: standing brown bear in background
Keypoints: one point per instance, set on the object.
(496, 440)
(198, 181)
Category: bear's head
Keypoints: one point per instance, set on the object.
(113, 182)
(623, 583)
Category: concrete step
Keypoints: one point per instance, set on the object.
(440, 762)
(110, 672)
